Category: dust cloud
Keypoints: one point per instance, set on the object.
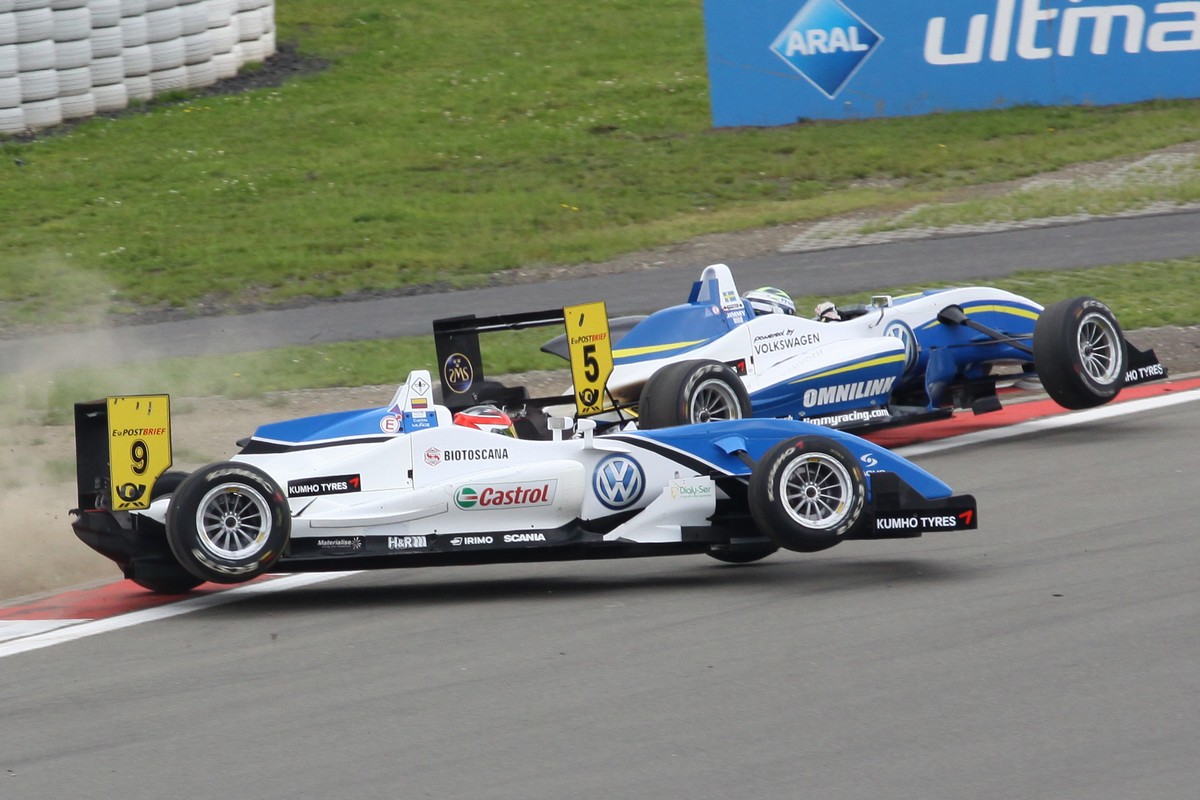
(41, 377)
(37, 467)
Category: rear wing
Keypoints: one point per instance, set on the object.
(122, 446)
(460, 364)
(586, 343)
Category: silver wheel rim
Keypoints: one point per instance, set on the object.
(816, 490)
(1099, 348)
(712, 400)
(233, 521)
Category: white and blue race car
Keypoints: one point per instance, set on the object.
(895, 360)
(405, 486)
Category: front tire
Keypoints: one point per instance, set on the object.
(808, 494)
(691, 392)
(1079, 353)
(228, 523)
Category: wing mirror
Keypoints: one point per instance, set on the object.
(880, 302)
(586, 427)
(557, 425)
(952, 315)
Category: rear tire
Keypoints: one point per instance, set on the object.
(182, 583)
(167, 579)
(742, 553)
(1079, 353)
(167, 483)
(228, 523)
(691, 392)
(808, 494)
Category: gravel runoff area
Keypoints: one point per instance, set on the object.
(1168, 165)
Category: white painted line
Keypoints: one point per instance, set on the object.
(16, 629)
(1051, 423)
(92, 627)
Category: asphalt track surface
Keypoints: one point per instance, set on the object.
(836, 271)
(1051, 654)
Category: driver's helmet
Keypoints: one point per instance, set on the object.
(769, 300)
(486, 418)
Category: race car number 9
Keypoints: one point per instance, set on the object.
(139, 447)
(139, 457)
(591, 354)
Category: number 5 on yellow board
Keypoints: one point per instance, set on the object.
(139, 447)
(591, 354)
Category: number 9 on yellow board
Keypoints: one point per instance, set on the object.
(139, 447)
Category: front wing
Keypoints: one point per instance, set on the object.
(900, 512)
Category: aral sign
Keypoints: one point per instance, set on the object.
(774, 62)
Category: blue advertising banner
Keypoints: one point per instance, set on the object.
(775, 62)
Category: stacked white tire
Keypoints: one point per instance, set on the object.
(251, 32)
(223, 33)
(199, 70)
(108, 66)
(35, 63)
(135, 52)
(12, 118)
(69, 59)
(73, 57)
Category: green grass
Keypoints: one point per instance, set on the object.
(1147, 294)
(448, 141)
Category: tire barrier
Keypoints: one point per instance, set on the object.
(62, 60)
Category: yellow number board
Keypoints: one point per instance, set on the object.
(591, 354)
(139, 447)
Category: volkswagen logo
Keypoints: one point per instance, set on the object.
(618, 482)
(912, 348)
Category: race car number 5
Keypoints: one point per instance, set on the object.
(591, 354)
(591, 367)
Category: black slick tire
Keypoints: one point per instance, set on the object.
(1079, 353)
(167, 579)
(808, 494)
(690, 392)
(228, 523)
(742, 553)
